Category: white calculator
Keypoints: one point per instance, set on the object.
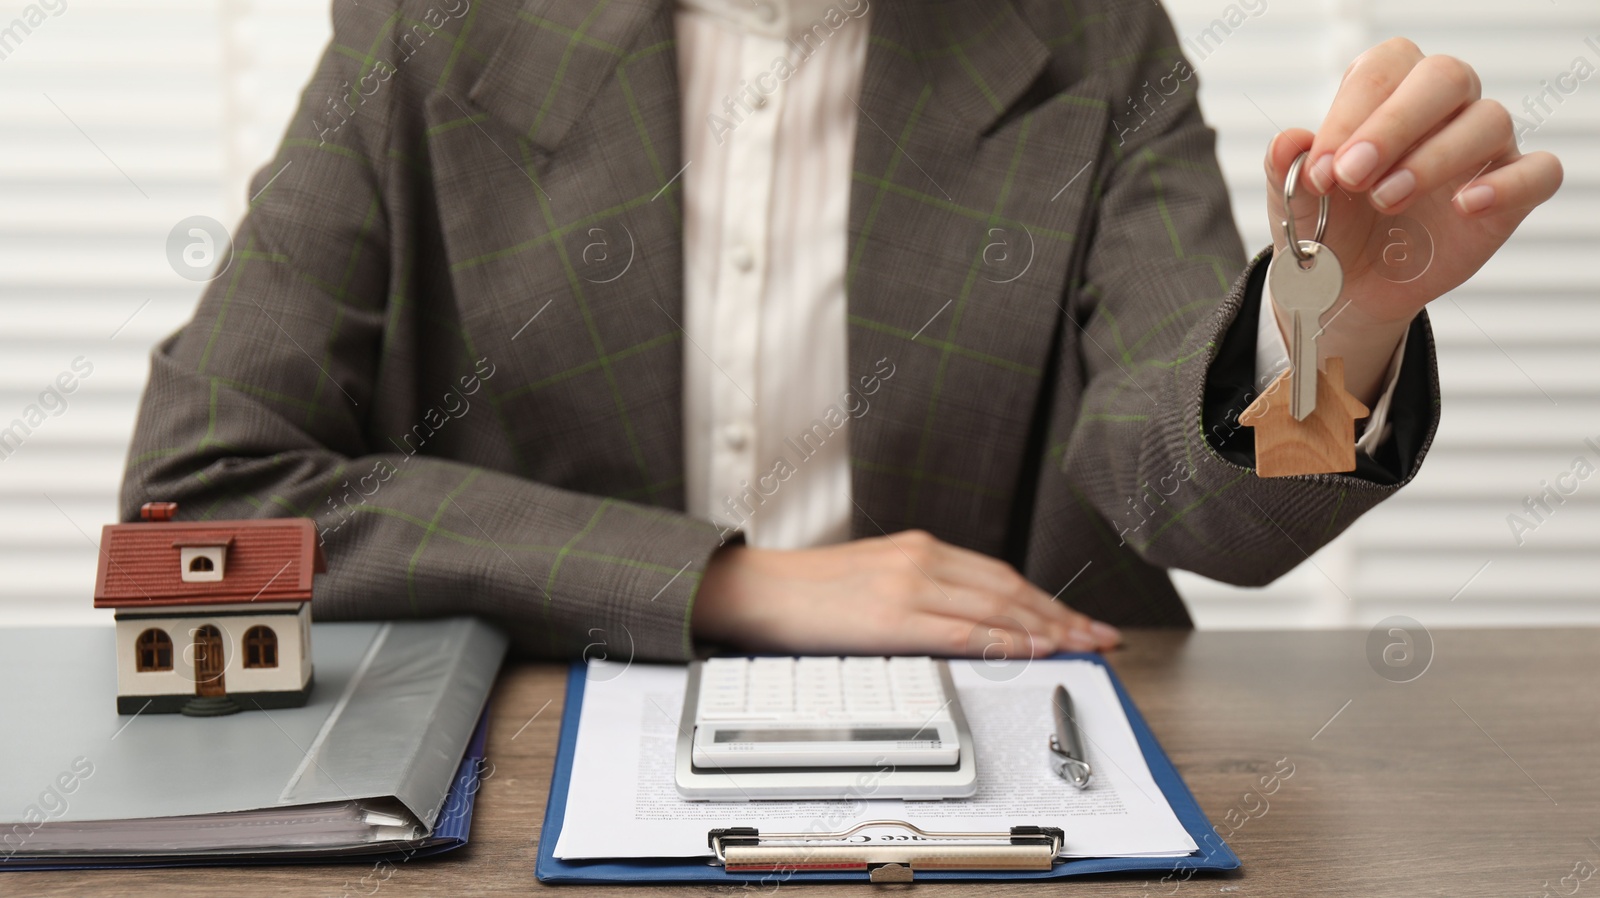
(818, 727)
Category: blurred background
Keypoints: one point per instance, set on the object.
(125, 117)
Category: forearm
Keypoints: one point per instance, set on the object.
(1177, 484)
(407, 535)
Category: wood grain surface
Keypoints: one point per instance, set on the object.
(1476, 778)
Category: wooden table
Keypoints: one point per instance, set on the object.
(1477, 778)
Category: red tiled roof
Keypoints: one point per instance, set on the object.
(269, 560)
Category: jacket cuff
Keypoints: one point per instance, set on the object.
(1231, 386)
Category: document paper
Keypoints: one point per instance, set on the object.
(622, 801)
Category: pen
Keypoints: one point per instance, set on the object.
(1067, 757)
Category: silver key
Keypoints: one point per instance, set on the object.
(1305, 293)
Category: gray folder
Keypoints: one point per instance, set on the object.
(370, 757)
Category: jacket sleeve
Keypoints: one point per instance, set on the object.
(263, 406)
(1163, 281)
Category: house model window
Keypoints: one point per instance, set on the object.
(199, 563)
(153, 651)
(260, 647)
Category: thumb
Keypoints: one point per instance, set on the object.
(1281, 153)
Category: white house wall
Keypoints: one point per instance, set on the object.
(292, 672)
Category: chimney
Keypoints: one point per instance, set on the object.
(158, 511)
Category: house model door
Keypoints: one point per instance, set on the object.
(208, 661)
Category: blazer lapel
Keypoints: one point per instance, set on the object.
(960, 239)
(544, 76)
(977, 56)
(554, 171)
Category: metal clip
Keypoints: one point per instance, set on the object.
(891, 873)
(744, 849)
(1069, 768)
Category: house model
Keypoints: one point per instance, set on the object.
(1324, 443)
(212, 617)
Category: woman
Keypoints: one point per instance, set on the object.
(644, 328)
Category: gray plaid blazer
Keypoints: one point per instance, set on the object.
(418, 344)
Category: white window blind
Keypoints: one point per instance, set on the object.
(128, 116)
(124, 117)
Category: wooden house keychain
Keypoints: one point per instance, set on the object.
(1305, 423)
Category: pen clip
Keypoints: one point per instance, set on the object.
(1073, 770)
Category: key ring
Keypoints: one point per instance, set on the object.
(1288, 207)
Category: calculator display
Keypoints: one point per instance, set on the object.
(833, 734)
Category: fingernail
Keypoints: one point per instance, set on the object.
(1322, 173)
(1476, 199)
(1356, 163)
(1106, 632)
(1395, 188)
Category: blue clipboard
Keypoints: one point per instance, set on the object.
(1213, 854)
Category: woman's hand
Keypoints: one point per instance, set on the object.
(906, 594)
(1407, 135)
